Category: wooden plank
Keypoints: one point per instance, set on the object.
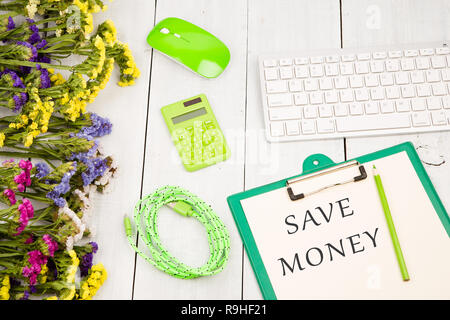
(397, 22)
(282, 26)
(186, 238)
(126, 108)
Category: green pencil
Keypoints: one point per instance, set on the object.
(390, 223)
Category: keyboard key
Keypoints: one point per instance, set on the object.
(348, 57)
(331, 97)
(362, 67)
(316, 97)
(439, 89)
(301, 72)
(341, 83)
(434, 103)
(402, 105)
(371, 80)
(325, 125)
(438, 117)
(432, 75)
(395, 54)
(308, 126)
(285, 113)
(346, 95)
(363, 56)
(295, 85)
(407, 64)
(387, 107)
(374, 122)
(276, 86)
(301, 60)
(446, 102)
(311, 84)
(356, 81)
(426, 52)
(371, 107)
(438, 62)
(401, 78)
(325, 111)
(316, 70)
(386, 79)
(341, 110)
(286, 62)
(379, 55)
(286, 73)
(332, 58)
(271, 74)
(423, 90)
(292, 128)
(317, 59)
(411, 53)
(417, 77)
(356, 108)
(300, 99)
(332, 69)
(277, 129)
(270, 63)
(392, 92)
(310, 112)
(392, 65)
(446, 73)
(325, 84)
(361, 94)
(377, 93)
(419, 104)
(422, 63)
(376, 66)
(346, 68)
(443, 50)
(279, 99)
(407, 91)
(420, 119)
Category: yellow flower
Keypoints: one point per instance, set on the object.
(52, 298)
(4, 289)
(2, 139)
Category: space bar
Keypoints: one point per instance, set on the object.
(379, 122)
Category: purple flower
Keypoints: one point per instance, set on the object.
(45, 78)
(100, 127)
(94, 246)
(34, 37)
(15, 79)
(86, 264)
(62, 188)
(32, 48)
(11, 24)
(42, 169)
(41, 44)
(96, 167)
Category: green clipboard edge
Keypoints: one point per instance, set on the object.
(311, 164)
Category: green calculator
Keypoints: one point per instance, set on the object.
(195, 132)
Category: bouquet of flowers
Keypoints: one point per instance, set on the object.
(46, 192)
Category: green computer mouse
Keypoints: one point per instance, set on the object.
(191, 46)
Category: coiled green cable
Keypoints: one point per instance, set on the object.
(187, 204)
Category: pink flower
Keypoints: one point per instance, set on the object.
(52, 245)
(10, 195)
(26, 213)
(26, 165)
(36, 260)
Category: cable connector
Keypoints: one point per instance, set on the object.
(128, 227)
(183, 208)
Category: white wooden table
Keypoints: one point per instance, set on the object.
(147, 159)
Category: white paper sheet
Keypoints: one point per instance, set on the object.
(352, 256)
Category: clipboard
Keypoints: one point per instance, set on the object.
(314, 165)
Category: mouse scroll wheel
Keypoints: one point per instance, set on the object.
(164, 30)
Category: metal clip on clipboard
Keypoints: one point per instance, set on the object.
(362, 175)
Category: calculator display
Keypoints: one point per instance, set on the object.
(189, 115)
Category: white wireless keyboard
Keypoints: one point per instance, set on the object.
(356, 92)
